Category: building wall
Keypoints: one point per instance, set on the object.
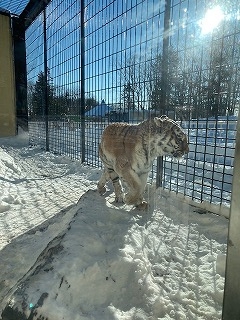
(7, 85)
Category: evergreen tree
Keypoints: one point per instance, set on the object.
(90, 102)
(38, 99)
(128, 96)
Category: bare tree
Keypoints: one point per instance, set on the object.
(132, 82)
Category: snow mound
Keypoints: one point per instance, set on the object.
(8, 167)
(111, 263)
(8, 171)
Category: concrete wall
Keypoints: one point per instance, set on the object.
(7, 84)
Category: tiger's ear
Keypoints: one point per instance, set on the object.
(159, 121)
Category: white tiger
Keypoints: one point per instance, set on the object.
(128, 151)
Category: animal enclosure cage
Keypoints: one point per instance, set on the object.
(89, 64)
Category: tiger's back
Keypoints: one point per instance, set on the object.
(120, 140)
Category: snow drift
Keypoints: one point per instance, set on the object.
(94, 259)
(110, 263)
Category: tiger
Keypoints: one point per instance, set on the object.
(127, 152)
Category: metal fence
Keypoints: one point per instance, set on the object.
(97, 62)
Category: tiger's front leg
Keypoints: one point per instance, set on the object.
(136, 186)
(119, 195)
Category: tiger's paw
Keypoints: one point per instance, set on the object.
(119, 198)
(101, 190)
(142, 206)
(133, 199)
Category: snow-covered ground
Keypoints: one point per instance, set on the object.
(68, 253)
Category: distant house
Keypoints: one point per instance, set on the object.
(100, 111)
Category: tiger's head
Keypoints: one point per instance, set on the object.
(172, 139)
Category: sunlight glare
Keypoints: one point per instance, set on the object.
(211, 20)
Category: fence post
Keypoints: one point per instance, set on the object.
(231, 305)
(20, 72)
(164, 81)
(46, 100)
(82, 79)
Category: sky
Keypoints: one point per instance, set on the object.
(114, 34)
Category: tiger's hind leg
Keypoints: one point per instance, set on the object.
(102, 182)
(119, 195)
(110, 174)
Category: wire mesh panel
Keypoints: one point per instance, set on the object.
(58, 89)
(203, 90)
(206, 174)
(142, 59)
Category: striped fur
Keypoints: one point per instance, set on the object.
(128, 151)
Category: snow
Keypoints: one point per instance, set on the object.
(68, 253)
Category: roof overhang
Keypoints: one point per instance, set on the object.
(4, 12)
(32, 11)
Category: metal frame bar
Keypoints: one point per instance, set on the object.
(46, 98)
(82, 80)
(20, 72)
(164, 80)
(231, 305)
(32, 11)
